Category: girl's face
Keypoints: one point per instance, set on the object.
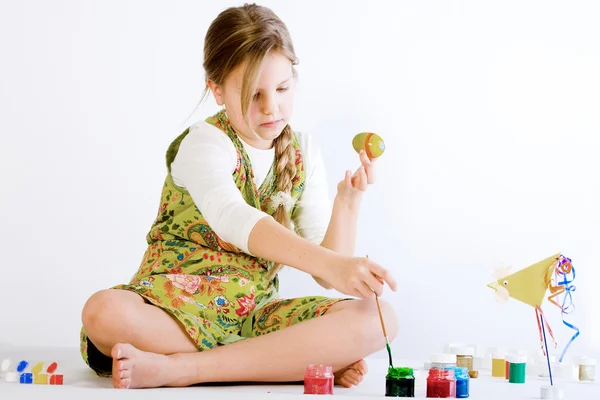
(272, 103)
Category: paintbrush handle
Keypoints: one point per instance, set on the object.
(381, 318)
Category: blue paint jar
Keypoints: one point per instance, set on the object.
(462, 381)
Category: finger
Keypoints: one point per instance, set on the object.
(383, 274)
(364, 158)
(375, 284)
(357, 176)
(366, 290)
(348, 179)
(363, 180)
(357, 172)
(369, 167)
(371, 175)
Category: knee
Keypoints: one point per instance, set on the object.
(367, 316)
(390, 318)
(105, 312)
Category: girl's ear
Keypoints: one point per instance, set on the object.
(217, 92)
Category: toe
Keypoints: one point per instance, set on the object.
(353, 376)
(117, 351)
(124, 383)
(122, 350)
(125, 374)
(124, 364)
(344, 382)
(361, 366)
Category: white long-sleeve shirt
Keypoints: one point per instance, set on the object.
(204, 166)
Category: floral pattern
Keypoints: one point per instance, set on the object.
(217, 292)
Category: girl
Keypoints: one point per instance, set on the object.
(204, 304)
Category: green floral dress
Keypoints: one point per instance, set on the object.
(216, 291)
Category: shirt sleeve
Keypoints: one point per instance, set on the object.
(204, 166)
(313, 210)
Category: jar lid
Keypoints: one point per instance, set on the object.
(587, 361)
(517, 359)
(443, 358)
(543, 360)
(5, 365)
(462, 350)
(319, 369)
(498, 355)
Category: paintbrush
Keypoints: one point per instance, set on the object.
(387, 342)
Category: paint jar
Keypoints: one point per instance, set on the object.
(464, 356)
(441, 383)
(498, 365)
(587, 369)
(462, 382)
(566, 371)
(507, 366)
(400, 382)
(318, 379)
(541, 366)
(443, 360)
(517, 369)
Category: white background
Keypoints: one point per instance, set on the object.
(489, 111)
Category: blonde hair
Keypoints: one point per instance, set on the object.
(244, 36)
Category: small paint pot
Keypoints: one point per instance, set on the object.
(587, 369)
(400, 382)
(517, 369)
(498, 365)
(464, 356)
(318, 379)
(441, 383)
(462, 382)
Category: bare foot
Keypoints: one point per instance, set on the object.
(352, 375)
(133, 368)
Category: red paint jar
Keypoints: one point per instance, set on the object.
(441, 383)
(506, 372)
(318, 379)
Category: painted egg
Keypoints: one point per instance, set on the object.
(371, 143)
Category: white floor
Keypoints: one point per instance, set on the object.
(80, 382)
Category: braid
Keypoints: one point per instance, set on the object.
(285, 170)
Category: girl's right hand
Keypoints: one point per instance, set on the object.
(357, 276)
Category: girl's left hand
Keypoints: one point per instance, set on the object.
(354, 185)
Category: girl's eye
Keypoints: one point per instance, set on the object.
(282, 89)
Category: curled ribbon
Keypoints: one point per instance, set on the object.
(562, 268)
(567, 272)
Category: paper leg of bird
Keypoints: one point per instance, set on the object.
(556, 291)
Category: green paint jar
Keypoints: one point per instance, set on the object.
(517, 369)
(400, 382)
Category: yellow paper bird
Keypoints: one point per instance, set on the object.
(528, 285)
